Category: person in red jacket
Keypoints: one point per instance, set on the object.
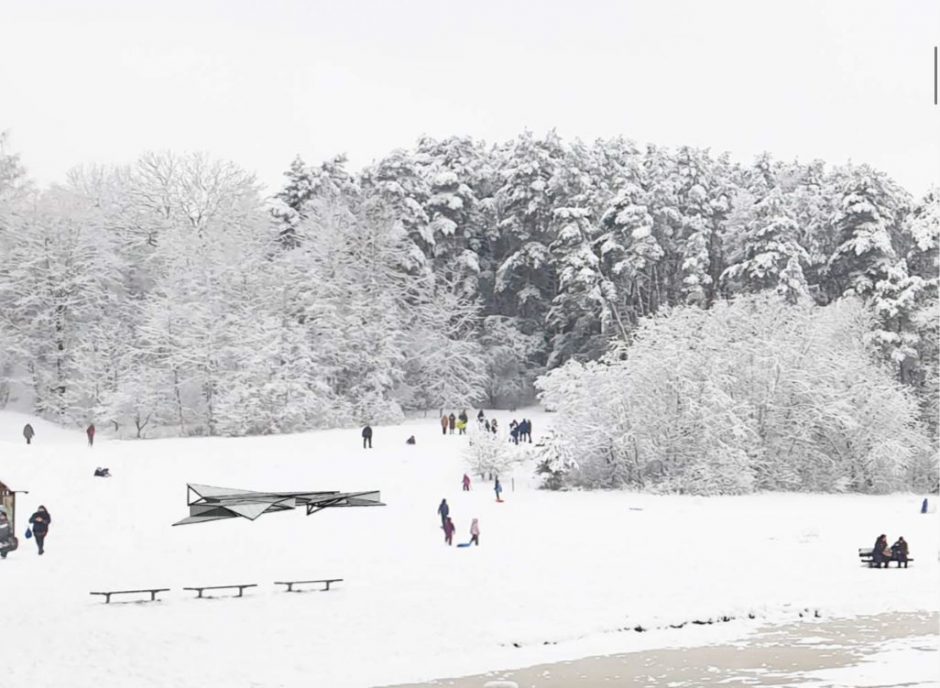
(466, 482)
(90, 431)
(449, 529)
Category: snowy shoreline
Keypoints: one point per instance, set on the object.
(569, 568)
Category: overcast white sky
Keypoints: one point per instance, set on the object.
(258, 82)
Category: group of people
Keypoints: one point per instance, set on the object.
(520, 431)
(452, 422)
(38, 530)
(882, 554)
(29, 434)
(447, 525)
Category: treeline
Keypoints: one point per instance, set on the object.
(170, 294)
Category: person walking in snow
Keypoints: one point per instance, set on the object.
(90, 431)
(466, 482)
(475, 532)
(444, 511)
(452, 423)
(39, 524)
(444, 423)
(923, 506)
(367, 437)
(449, 529)
(6, 535)
(28, 433)
(498, 489)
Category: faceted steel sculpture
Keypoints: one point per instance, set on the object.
(215, 503)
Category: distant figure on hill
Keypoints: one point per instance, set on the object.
(461, 427)
(39, 523)
(899, 552)
(463, 416)
(90, 431)
(452, 423)
(514, 430)
(466, 482)
(102, 472)
(486, 424)
(6, 535)
(449, 529)
(410, 440)
(481, 416)
(367, 437)
(525, 430)
(493, 426)
(475, 532)
(444, 423)
(498, 489)
(444, 511)
(923, 506)
(28, 433)
(880, 553)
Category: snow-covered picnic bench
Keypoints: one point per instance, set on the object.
(290, 584)
(865, 554)
(153, 593)
(241, 588)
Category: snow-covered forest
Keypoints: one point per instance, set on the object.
(170, 296)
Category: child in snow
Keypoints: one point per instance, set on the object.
(449, 531)
(498, 489)
(466, 482)
(493, 426)
(475, 532)
(461, 427)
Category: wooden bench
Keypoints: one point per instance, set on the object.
(241, 588)
(153, 593)
(290, 584)
(864, 553)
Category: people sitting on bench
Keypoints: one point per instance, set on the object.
(880, 552)
(899, 552)
(102, 472)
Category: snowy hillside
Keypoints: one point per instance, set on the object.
(568, 569)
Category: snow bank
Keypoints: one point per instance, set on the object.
(568, 569)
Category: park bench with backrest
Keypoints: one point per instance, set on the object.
(290, 584)
(153, 593)
(865, 554)
(241, 588)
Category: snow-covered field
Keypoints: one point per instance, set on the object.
(567, 569)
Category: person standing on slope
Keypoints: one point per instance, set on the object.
(444, 424)
(90, 431)
(367, 437)
(28, 433)
(498, 489)
(475, 532)
(449, 529)
(39, 523)
(452, 423)
(466, 482)
(444, 511)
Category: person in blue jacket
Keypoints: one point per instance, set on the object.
(498, 489)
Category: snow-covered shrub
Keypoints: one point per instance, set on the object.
(752, 394)
(490, 453)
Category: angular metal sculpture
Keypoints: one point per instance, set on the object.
(207, 503)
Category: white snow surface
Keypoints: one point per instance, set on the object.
(568, 568)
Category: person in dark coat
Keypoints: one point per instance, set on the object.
(410, 440)
(452, 423)
(878, 555)
(466, 482)
(463, 416)
(486, 424)
(444, 511)
(90, 431)
(493, 426)
(527, 431)
(367, 437)
(481, 416)
(498, 489)
(449, 529)
(102, 472)
(28, 433)
(444, 423)
(514, 434)
(39, 522)
(899, 552)
(923, 506)
(6, 535)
